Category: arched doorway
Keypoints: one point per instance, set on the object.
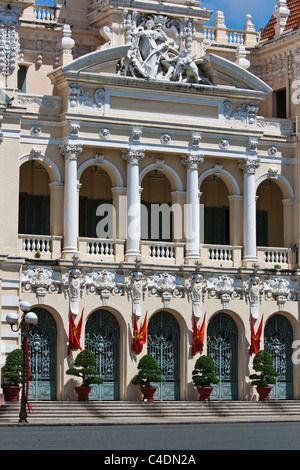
(163, 344)
(222, 341)
(278, 339)
(102, 337)
(42, 344)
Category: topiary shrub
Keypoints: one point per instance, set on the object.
(204, 373)
(263, 363)
(13, 368)
(85, 368)
(148, 372)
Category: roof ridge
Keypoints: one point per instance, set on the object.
(292, 23)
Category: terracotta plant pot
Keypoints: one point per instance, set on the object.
(83, 393)
(204, 393)
(148, 393)
(12, 392)
(263, 393)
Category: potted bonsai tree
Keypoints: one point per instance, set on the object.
(203, 376)
(263, 364)
(85, 368)
(13, 372)
(148, 371)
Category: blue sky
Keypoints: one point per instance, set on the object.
(234, 10)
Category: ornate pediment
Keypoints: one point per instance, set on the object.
(161, 48)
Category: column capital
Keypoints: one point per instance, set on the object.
(70, 151)
(249, 165)
(192, 161)
(133, 157)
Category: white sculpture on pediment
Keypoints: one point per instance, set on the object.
(153, 55)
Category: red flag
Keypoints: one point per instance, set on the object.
(198, 337)
(139, 337)
(74, 333)
(255, 338)
(143, 331)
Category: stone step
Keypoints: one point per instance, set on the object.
(72, 412)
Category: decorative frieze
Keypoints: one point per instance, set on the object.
(198, 288)
(80, 99)
(41, 281)
(225, 288)
(246, 113)
(280, 289)
(104, 283)
(166, 286)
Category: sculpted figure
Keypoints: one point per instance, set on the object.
(155, 56)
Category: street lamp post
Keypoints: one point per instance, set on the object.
(28, 321)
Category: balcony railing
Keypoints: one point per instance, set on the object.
(46, 246)
(272, 257)
(50, 247)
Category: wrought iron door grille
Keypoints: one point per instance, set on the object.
(102, 337)
(163, 345)
(42, 357)
(222, 348)
(278, 339)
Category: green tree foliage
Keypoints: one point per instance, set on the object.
(85, 368)
(204, 373)
(148, 371)
(263, 363)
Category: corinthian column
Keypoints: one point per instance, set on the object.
(70, 153)
(249, 166)
(133, 158)
(192, 208)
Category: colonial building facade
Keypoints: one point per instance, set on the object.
(150, 167)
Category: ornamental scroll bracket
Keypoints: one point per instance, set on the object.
(73, 283)
(196, 287)
(136, 287)
(253, 290)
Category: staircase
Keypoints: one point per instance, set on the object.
(122, 412)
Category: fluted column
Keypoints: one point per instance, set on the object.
(133, 158)
(249, 166)
(70, 153)
(192, 207)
